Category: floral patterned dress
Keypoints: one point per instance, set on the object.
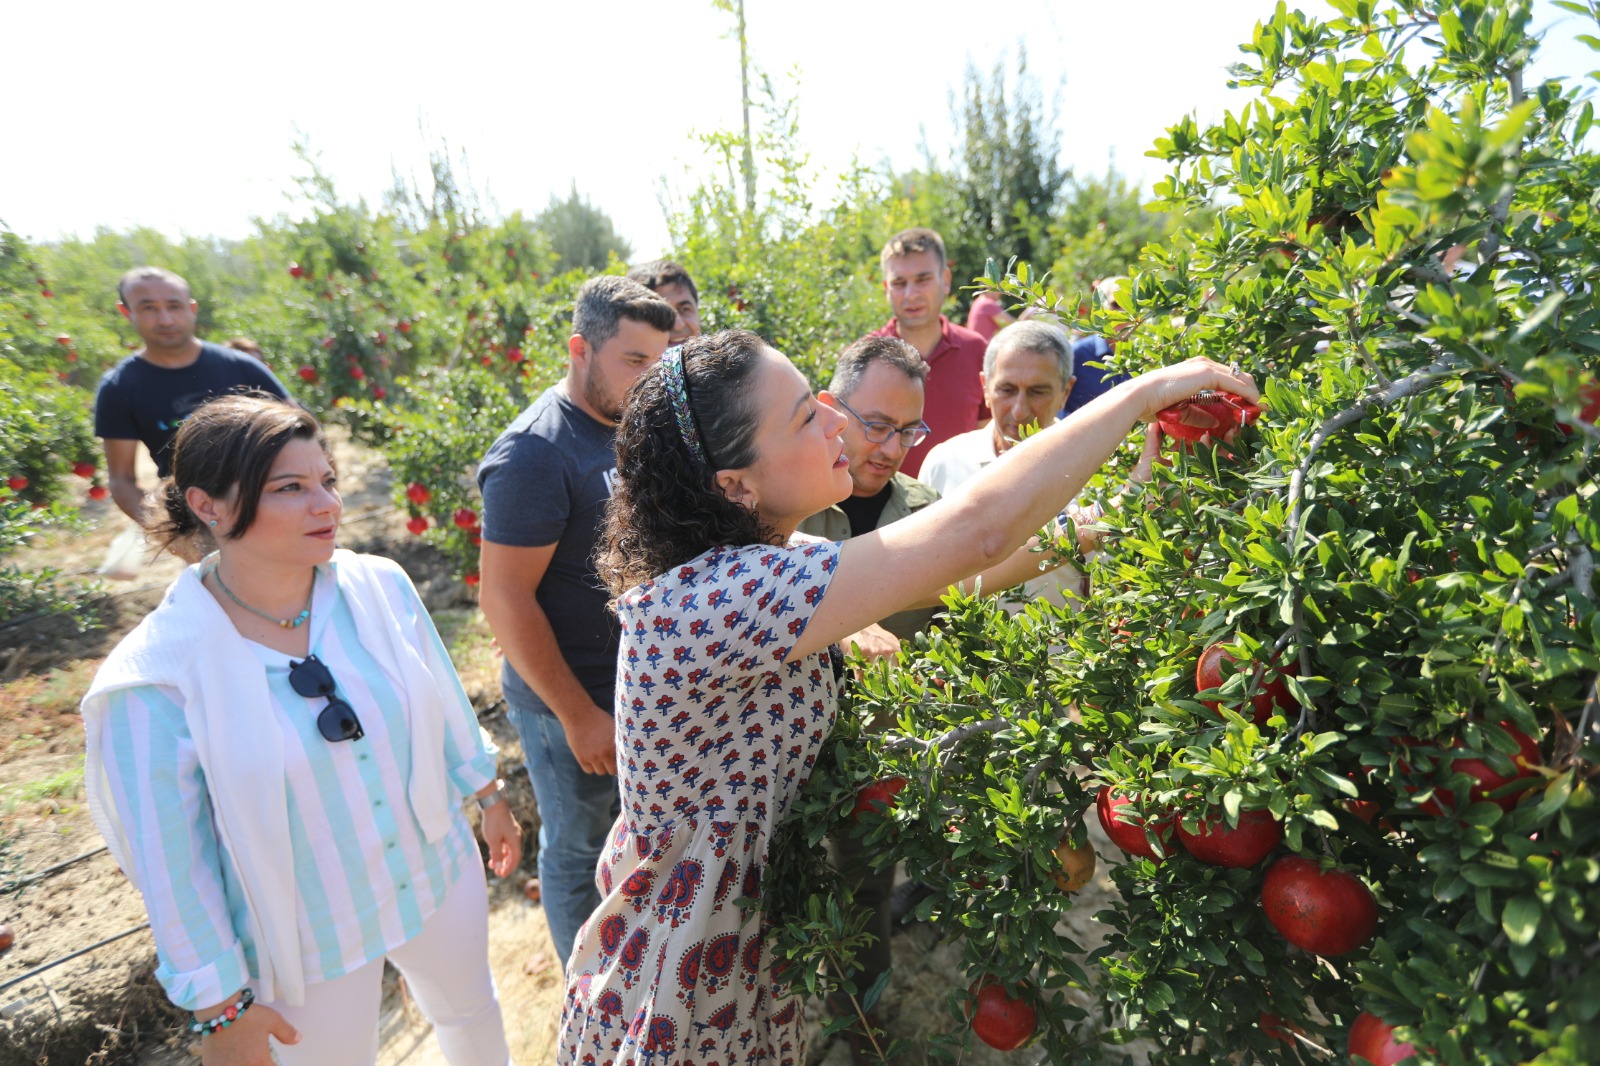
(716, 732)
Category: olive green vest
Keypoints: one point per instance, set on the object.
(907, 495)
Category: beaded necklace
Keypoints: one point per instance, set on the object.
(286, 623)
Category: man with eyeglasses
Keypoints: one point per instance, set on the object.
(878, 384)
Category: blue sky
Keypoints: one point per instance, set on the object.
(183, 118)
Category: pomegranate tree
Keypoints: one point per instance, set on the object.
(1367, 621)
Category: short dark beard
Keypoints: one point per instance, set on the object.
(607, 406)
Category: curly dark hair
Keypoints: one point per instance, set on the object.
(665, 507)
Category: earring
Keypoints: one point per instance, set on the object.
(213, 521)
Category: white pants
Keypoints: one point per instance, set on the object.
(446, 967)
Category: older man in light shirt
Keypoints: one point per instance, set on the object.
(1027, 376)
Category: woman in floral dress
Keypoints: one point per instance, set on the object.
(726, 680)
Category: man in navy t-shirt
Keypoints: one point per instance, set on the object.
(545, 484)
(147, 396)
(1092, 377)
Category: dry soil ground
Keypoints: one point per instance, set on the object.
(105, 1006)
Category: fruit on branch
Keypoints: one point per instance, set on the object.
(1589, 414)
(1327, 912)
(1224, 411)
(1126, 833)
(418, 525)
(1372, 1041)
(1216, 843)
(1270, 693)
(98, 492)
(1366, 810)
(296, 270)
(17, 482)
(1002, 1021)
(307, 373)
(84, 468)
(1278, 1027)
(1077, 865)
(878, 797)
(418, 493)
(465, 518)
(1486, 778)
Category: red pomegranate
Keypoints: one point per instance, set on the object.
(1328, 912)
(1270, 694)
(1372, 1041)
(1227, 413)
(1486, 778)
(1128, 833)
(1241, 846)
(1277, 1027)
(1002, 1021)
(878, 797)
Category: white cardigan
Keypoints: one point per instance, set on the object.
(190, 644)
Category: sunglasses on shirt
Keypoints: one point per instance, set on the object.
(310, 677)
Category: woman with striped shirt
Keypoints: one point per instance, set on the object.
(277, 757)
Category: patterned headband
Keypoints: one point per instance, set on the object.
(682, 410)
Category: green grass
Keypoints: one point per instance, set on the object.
(467, 638)
(68, 784)
(39, 707)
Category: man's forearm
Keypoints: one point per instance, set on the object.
(129, 497)
(529, 644)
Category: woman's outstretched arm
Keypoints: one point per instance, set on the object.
(988, 517)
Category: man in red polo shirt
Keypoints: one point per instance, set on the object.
(916, 278)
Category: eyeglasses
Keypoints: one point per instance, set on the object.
(310, 677)
(881, 432)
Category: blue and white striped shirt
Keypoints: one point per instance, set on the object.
(367, 877)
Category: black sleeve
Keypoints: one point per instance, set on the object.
(269, 381)
(113, 415)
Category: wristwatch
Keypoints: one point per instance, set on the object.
(497, 796)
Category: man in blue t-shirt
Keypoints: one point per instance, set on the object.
(144, 398)
(545, 484)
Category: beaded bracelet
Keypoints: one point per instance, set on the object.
(226, 1018)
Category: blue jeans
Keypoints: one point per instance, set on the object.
(576, 812)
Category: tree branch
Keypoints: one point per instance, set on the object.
(1445, 366)
(950, 738)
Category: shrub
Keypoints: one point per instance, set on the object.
(1402, 247)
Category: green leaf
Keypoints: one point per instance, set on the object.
(875, 993)
(1520, 919)
(1546, 308)
(1338, 782)
(1324, 819)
